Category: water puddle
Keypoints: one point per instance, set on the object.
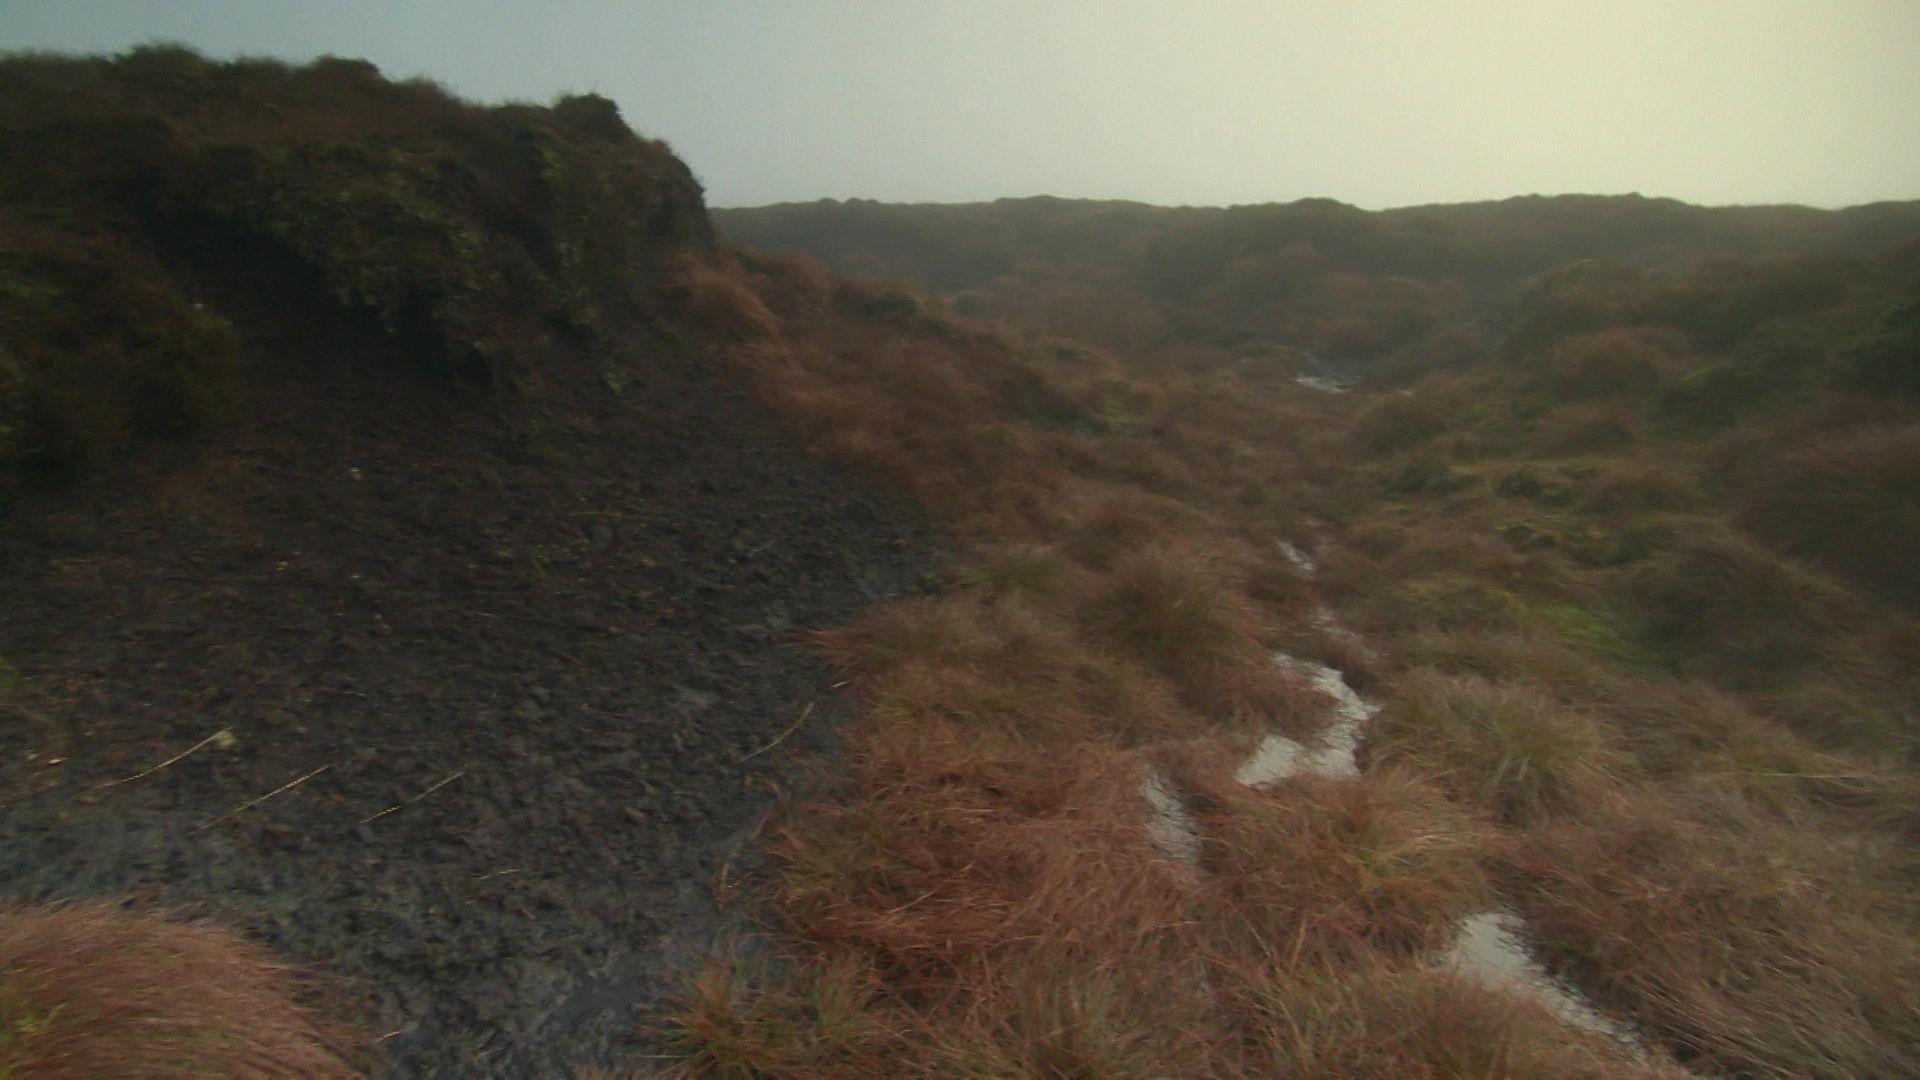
(1491, 949)
(1318, 374)
(1301, 561)
(1321, 383)
(1169, 823)
(1333, 752)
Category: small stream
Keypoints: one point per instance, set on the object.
(1334, 752)
(1489, 946)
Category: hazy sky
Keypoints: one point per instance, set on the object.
(1375, 103)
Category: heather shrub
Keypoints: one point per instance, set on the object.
(1848, 501)
(1603, 363)
(1719, 604)
(77, 388)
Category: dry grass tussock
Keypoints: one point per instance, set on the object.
(87, 990)
(1179, 614)
(944, 866)
(1330, 868)
(1754, 948)
(1510, 748)
(1337, 1020)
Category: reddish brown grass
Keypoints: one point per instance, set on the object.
(1331, 868)
(1339, 1020)
(88, 990)
(1181, 614)
(1850, 502)
(1757, 950)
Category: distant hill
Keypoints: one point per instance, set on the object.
(1348, 283)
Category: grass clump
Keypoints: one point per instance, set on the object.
(1719, 604)
(1691, 731)
(1508, 747)
(1755, 950)
(1178, 612)
(733, 1019)
(1378, 1019)
(89, 990)
(1340, 868)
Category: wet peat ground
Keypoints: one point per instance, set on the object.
(572, 622)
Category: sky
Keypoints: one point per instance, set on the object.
(1203, 102)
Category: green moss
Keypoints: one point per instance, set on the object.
(1445, 601)
(1601, 633)
(1754, 379)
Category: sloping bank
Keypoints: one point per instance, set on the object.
(389, 572)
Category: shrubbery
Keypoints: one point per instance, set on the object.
(475, 233)
(102, 349)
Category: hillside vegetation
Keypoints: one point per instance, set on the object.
(1347, 285)
(479, 236)
(1612, 533)
(1631, 547)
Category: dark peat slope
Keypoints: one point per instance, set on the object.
(366, 426)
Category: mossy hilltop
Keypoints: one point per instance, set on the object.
(483, 236)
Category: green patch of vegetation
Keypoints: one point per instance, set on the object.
(1028, 573)
(1449, 600)
(1747, 382)
(1549, 486)
(1422, 476)
(1597, 632)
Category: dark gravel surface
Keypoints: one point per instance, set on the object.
(566, 623)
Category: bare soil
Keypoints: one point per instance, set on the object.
(565, 620)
